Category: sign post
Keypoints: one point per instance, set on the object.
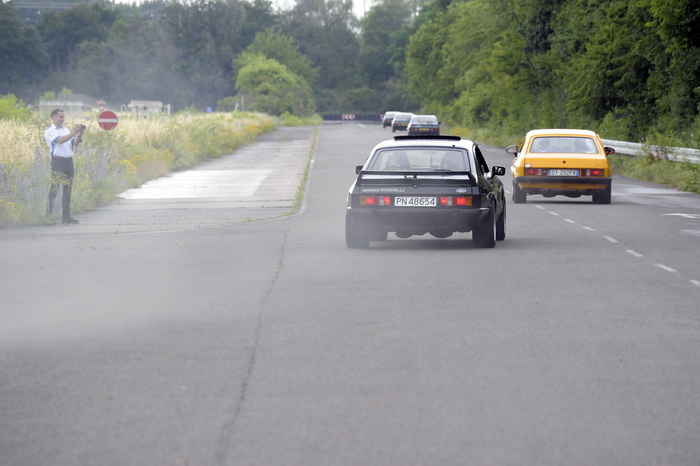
(107, 120)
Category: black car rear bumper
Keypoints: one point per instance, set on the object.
(394, 219)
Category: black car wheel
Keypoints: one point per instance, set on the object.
(604, 197)
(483, 235)
(519, 196)
(356, 237)
(379, 235)
(501, 224)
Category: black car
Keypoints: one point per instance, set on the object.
(434, 184)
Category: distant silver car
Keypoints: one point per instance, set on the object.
(423, 125)
(401, 121)
(387, 118)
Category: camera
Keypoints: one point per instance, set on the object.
(82, 127)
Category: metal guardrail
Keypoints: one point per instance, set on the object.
(677, 154)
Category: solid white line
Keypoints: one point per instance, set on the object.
(666, 268)
(695, 282)
(570, 221)
(635, 253)
(611, 239)
(588, 228)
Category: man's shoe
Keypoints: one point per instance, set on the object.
(70, 220)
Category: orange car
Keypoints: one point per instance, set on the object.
(561, 162)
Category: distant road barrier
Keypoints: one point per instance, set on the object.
(677, 154)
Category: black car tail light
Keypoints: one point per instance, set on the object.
(375, 200)
(459, 201)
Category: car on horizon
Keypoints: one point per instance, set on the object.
(437, 185)
(561, 162)
(387, 118)
(423, 125)
(401, 121)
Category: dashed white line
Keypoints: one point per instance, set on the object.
(613, 240)
(666, 268)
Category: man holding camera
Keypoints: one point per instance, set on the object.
(61, 143)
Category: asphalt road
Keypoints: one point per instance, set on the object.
(211, 329)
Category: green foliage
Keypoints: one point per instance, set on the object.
(12, 108)
(228, 104)
(282, 48)
(684, 176)
(381, 36)
(270, 87)
(23, 58)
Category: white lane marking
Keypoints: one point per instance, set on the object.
(553, 213)
(570, 221)
(539, 207)
(695, 282)
(635, 253)
(611, 239)
(588, 228)
(686, 215)
(666, 268)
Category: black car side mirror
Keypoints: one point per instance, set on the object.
(498, 171)
(358, 169)
(512, 150)
(609, 150)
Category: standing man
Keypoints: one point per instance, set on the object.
(61, 143)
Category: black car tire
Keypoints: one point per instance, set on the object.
(356, 237)
(483, 235)
(604, 197)
(501, 224)
(519, 196)
(379, 235)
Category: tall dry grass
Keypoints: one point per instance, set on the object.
(108, 162)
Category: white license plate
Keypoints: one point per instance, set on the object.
(562, 172)
(414, 201)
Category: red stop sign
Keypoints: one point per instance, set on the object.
(107, 120)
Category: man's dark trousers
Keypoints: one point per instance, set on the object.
(62, 172)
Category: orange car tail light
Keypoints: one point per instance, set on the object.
(535, 172)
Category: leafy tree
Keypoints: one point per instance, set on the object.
(23, 60)
(12, 108)
(63, 32)
(379, 40)
(275, 45)
(270, 87)
(323, 29)
(675, 81)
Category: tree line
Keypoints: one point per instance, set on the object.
(626, 68)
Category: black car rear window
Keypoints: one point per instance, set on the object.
(419, 159)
